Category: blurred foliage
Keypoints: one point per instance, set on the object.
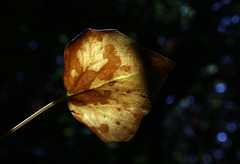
(195, 118)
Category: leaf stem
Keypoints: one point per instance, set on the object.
(33, 116)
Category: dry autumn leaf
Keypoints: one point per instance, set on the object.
(110, 83)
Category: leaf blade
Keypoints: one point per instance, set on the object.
(112, 81)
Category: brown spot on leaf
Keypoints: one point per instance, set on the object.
(118, 123)
(145, 96)
(114, 62)
(97, 35)
(82, 80)
(111, 83)
(77, 103)
(138, 117)
(145, 107)
(72, 64)
(129, 91)
(126, 68)
(107, 93)
(119, 109)
(104, 128)
(125, 105)
(89, 97)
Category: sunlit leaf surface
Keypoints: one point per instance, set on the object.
(111, 82)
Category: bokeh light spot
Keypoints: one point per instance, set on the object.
(161, 40)
(177, 156)
(222, 137)
(140, 159)
(59, 71)
(133, 35)
(63, 118)
(184, 103)
(176, 111)
(216, 103)
(112, 145)
(210, 69)
(191, 99)
(207, 159)
(224, 24)
(227, 59)
(170, 44)
(226, 2)
(217, 6)
(184, 10)
(228, 104)
(226, 21)
(63, 38)
(169, 99)
(68, 132)
(192, 159)
(39, 152)
(220, 87)
(59, 60)
(218, 154)
(188, 130)
(33, 45)
(235, 19)
(221, 28)
(231, 127)
(160, 9)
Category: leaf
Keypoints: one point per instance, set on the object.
(111, 82)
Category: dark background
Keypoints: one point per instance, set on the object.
(195, 118)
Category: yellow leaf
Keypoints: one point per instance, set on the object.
(111, 82)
